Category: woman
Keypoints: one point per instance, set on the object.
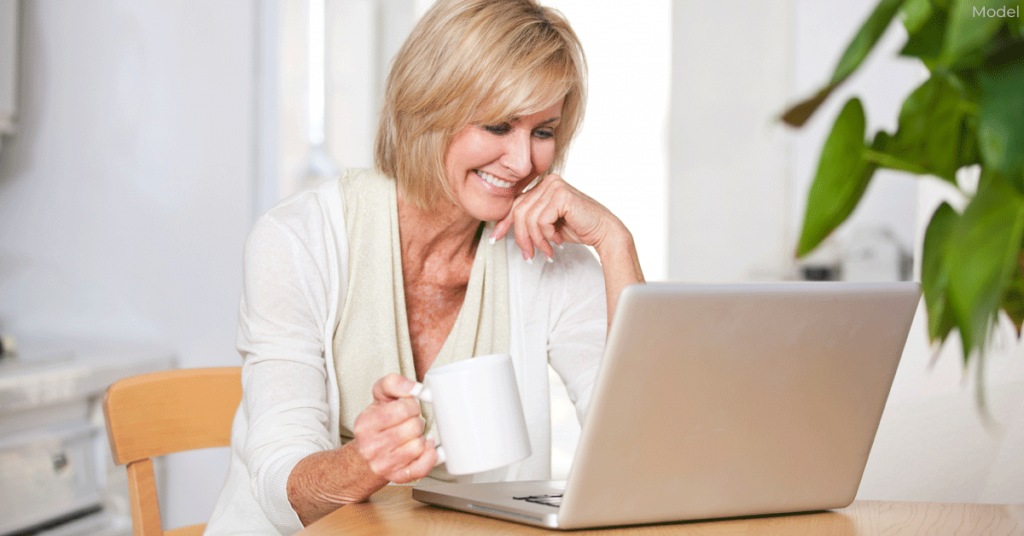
(354, 290)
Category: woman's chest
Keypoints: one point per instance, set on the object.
(431, 310)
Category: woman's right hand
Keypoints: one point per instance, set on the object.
(389, 433)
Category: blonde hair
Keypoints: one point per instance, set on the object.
(474, 61)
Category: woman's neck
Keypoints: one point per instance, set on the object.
(436, 237)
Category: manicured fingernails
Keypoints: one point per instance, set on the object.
(549, 259)
(529, 260)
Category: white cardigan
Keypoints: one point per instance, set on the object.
(294, 281)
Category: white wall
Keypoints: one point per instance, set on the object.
(361, 38)
(729, 186)
(126, 196)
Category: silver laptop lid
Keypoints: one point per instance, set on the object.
(727, 400)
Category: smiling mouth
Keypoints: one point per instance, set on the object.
(492, 180)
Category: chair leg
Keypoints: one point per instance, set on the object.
(193, 530)
(142, 492)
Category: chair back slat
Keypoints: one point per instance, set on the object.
(171, 411)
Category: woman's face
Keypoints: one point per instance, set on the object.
(489, 165)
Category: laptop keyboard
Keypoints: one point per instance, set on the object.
(549, 500)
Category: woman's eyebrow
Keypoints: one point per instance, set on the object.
(542, 123)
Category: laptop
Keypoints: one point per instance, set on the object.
(717, 401)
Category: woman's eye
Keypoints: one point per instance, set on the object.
(544, 133)
(499, 130)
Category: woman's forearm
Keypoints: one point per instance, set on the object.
(322, 482)
(621, 265)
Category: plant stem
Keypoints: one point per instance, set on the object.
(891, 162)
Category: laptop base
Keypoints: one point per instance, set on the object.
(496, 500)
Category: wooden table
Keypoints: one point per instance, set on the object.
(393, 511)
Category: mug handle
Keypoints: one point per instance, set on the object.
(420, 392)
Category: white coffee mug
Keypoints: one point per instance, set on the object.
(478, 412)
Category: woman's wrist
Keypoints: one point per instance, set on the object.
(620, 264)
(617, 243)
(325, 481)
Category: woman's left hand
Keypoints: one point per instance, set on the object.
(554, 211)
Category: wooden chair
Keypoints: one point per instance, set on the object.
(155, 414)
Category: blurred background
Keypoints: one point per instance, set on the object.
(141, 140)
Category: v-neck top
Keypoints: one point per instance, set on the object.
(372, 338)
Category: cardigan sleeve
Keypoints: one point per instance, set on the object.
(281, 324)
(578, 324)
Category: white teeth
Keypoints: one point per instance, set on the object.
(491, 179)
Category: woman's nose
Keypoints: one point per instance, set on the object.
(517, 158)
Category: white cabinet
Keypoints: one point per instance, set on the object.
(58, 474)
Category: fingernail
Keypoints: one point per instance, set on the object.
(491, 240)
(529, 260)
(560, 246)
(549, 259)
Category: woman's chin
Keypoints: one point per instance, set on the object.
(490, 211)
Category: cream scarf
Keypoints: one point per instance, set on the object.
(372, 339)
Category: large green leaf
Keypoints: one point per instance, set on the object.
(1002, 47)
(982, 256)
(865, 40)
(935, 272)
(843, 175)
(915, 14)
(855, 53)
(1001, 120)
(1013, 300)
(968, 31)
(925, 41)
(930, 127)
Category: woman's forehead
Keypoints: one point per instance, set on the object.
(548, 114)
(510, 112)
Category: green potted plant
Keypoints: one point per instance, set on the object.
(969, 112)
